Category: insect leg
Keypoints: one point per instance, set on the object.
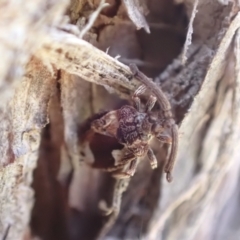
(129, 172)
(152, 158)
(136, 99)
(150, 103)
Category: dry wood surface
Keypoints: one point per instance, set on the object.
(64, 61)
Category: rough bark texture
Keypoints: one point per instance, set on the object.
(52, 80)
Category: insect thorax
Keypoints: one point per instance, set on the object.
(133, 126)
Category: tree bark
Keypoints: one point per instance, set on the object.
(55, 74)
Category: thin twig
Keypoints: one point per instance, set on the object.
(76, 56)
(92, 18)
(189, 33)
(135, 13)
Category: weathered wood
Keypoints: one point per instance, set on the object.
(49, 85)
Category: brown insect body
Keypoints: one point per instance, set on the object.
(114, 141)
(134, 128)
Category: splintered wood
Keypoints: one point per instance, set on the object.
(27, 115)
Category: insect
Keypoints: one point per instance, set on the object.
(134, 128)
(114, 141)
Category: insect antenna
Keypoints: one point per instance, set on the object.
(170, 164)
(162, 99)
(167, 114)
